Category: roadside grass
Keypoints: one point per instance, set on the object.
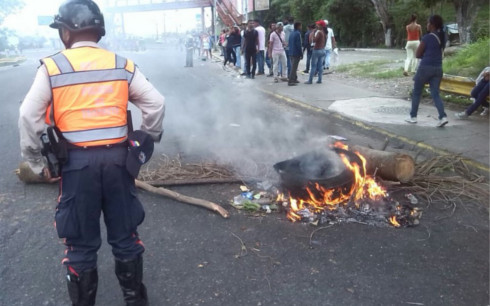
(392, 69)
(450, 98)
(470, 60)
(380, 69)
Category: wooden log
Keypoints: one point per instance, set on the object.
(182, 198)
(390, 166)
(194, 181)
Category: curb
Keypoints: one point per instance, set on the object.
(481, 168)
(15, 61)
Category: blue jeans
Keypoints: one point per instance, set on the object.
(317, 65)
(308, 59)
(328, 52)
(480, 93)
(238, 56)
(433, 76)
(260, 61)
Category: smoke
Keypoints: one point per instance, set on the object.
(231, 122)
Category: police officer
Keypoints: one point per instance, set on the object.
(83, 91)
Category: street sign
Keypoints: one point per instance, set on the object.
(261, 5)
(44, 20)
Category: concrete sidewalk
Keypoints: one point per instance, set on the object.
(367, 109)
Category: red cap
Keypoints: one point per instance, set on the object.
(321, 23)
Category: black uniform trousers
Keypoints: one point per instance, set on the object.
(95, 181)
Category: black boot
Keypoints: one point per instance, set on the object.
(82, 288)
(130, 276)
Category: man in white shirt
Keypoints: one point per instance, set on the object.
(277, 43)
(260, 55)
(288, 29)
(329, 45)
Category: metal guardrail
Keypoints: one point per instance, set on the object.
(457, 84)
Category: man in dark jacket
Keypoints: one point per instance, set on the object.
(295, 53)
(307, 47)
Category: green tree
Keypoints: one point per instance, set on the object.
(9, 7)
(354, 22)
(383, 11)
(466, 12)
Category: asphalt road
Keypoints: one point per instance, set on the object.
(194, 257)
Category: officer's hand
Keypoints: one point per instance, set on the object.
(47, 176)
(26, 175)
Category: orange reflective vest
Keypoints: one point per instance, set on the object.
(90, 88)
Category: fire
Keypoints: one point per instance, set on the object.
(394, 222)
(320, 198)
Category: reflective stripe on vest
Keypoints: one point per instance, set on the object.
(97, 134)
(90, 89)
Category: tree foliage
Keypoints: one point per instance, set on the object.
(363, 23)
(9, 7)
(355, 23)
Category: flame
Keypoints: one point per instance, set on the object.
(321, 198)
(394, 222)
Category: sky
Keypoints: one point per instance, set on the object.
(144, 24)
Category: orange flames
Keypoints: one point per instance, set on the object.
(321, 198)
(394, 222)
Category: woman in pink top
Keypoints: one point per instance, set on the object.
(414, 31)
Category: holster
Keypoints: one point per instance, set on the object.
(58, 144)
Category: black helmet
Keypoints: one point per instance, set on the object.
(79, 15)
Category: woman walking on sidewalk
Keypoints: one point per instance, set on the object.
(430, 52)
(414, 31)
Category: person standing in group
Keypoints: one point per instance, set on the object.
(82, 94)
(295, 53)
(329, 44)
(249, 48)
(479, 95)
(277, 44)
(307, 47)
(221, 40)
(414, 32)
(268, 58)
(261, 54)
(318, 39)
(236, 42)
(189, 50)
(430, 52)
(288, 29)
(231, 40)
(205, 46)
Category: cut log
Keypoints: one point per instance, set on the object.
(182, 198)
(194, 181)
(388, 165)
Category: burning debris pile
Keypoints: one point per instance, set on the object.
(332, 187)
(329, 186)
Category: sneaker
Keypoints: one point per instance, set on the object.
(411, 120)
(442, 122)
(461, 116)
(405, 73)
(276, 80)
(484, 112)
(260, 73)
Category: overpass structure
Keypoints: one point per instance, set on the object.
(226, 9)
